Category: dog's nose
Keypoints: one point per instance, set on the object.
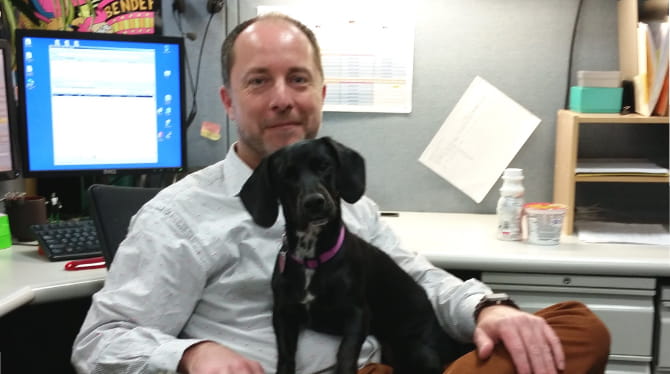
(314, 203)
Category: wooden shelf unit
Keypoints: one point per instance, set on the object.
(567, 144)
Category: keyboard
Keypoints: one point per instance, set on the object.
(68, 240)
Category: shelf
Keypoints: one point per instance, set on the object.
(607, 118)
(566, 160)
(622, 178)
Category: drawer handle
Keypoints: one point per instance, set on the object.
(567, 280)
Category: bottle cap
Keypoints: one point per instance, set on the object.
(513, 173)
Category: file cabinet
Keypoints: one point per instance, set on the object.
(663, 347)
(625, 304)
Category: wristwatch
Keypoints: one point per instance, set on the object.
(493, 299)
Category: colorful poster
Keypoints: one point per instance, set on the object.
(104, 16)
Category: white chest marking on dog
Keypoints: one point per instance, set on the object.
(306, 249)
(309, 297)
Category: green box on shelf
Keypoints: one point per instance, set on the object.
(595, 99)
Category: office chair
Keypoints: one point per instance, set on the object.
(112, 207)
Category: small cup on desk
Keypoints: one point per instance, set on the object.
(545, 222)
(24, 212)
(5, 233)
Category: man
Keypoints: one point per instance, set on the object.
(190, 285)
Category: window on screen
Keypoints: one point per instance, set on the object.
(81, 94)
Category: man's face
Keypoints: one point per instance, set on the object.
(276, 92)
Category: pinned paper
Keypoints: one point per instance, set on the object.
(210, 130)
(479, 139)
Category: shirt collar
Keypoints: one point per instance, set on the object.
(236, 169)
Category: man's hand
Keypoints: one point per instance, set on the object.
(212, 358)
(532, 344)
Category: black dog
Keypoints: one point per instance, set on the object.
(330, 280)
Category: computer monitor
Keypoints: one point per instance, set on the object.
(9, 168)
(106, 104)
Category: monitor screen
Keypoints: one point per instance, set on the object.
(8, 145)
(100, 103)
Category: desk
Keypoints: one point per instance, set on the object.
(27, 277)
(452, 241)
(467, 241)
(618, 281)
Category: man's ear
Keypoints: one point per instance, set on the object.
(227, 102)
(259, 197)
(350, 177)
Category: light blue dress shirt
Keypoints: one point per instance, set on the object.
(195, 267)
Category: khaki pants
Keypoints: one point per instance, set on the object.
(586, 343)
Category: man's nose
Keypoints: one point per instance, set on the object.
(282, 99)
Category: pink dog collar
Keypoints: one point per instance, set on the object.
(313, 263)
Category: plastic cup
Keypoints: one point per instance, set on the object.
(544, 221)
(5, 233)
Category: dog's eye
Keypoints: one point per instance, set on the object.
(290, 173)
(321, 165)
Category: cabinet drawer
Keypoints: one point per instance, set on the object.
(664, 332)
(628, 365)
(628, 313)
(571, 280)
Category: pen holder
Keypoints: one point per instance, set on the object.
(24, 212)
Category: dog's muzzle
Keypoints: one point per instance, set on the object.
(316, 208)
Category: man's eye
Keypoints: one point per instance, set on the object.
(299, 79)
(256, 81)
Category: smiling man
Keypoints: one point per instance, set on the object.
(275, 90)
(190, 286)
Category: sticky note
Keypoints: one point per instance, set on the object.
(210, 130)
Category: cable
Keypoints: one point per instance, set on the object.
(570, 55)
(176, 14)
(194, 106)
(194, 83)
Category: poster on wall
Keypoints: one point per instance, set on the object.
(367, 54)
(102, 16)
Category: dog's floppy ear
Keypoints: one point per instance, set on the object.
(259, 197)
(350, 171)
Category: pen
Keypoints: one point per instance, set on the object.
(389, 214)
(87, 263)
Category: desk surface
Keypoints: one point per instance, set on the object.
(28, 277)
(467, 241)
(452, 241)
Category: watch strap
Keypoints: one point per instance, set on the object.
(493, 299)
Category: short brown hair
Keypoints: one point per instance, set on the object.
(228, 56)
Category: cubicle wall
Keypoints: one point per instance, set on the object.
(520, 46)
